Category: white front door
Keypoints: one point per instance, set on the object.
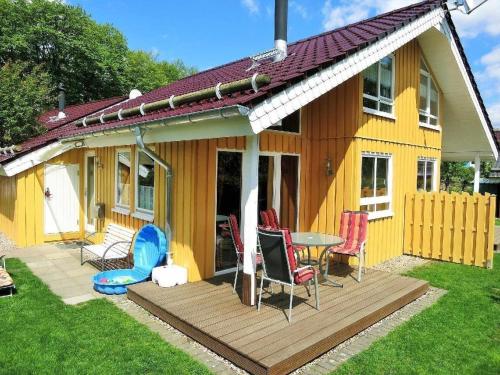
(89, 191)
(62, 208)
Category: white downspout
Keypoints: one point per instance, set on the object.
(169, 176)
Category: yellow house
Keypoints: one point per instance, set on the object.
(354, 118)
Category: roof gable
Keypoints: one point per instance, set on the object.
(305, 57)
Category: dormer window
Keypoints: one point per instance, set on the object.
(428, 113)
(378, 87)
(290, 124)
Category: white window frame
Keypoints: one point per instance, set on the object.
(382, 99)
(365, 201)
(288, 132)
(434, 172)
(427, 111)
(121, 208)
(141, 213)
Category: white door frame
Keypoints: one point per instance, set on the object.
(232, 269)
(276, 201)
(87, 227)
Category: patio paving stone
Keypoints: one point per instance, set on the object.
(58, 255)
(39, 264)
(78, 299)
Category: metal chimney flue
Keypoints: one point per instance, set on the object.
(281, 29)
(62, 101)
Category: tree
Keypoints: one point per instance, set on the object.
(88, 58)
(24, 94)
(59, 43)
(144, 72)
(486, 167)
(448, 172)
(92, 60)
(456, 176)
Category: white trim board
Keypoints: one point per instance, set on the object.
(279, 106)
(445, 29)
(35, 158)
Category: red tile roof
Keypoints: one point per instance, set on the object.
(304, 57)
(59, 128)
(75, 112)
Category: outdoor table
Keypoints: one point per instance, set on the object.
(314, 239)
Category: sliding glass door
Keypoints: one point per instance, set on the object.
(278, 189)
(228, 202)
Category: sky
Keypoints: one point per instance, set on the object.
(207, 33)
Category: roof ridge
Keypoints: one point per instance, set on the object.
(435, 2)
(91, 102)
(345, 27)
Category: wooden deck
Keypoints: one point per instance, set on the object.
(264, 342)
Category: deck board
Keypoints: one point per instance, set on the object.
(261, 342)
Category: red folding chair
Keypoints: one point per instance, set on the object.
(264, 218)
(353, 229)
(238, 246)
(274, 222)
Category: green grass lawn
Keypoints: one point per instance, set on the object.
(460, 334)
(497, 221)
(40, 334)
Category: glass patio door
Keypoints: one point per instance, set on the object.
(278, 187)
(228, 202)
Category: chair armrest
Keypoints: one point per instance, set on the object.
(116, 243)
(303, 268)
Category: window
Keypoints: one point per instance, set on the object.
(145, 182)
(290, 124)
(376, 184)
(378, 86)
(429, 98)
(425, 174)
(122, 190)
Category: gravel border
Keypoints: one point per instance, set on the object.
(401, 264)
(334, 358)
(6, 245)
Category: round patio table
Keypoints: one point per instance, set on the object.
(314, 239)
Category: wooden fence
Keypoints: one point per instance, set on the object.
(452, 227)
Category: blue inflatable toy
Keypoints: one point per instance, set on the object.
(150, 250)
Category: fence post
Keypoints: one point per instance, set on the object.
(491, 231)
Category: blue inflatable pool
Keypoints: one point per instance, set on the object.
(150, 250)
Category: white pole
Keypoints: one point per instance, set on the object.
(249, 208)
(277, 184)
(477, 172)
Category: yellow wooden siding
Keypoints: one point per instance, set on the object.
(404, 128)
(22, 212)
(450, 227)
(333, 128)
(8, 197)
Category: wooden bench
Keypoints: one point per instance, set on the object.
(116, 245)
